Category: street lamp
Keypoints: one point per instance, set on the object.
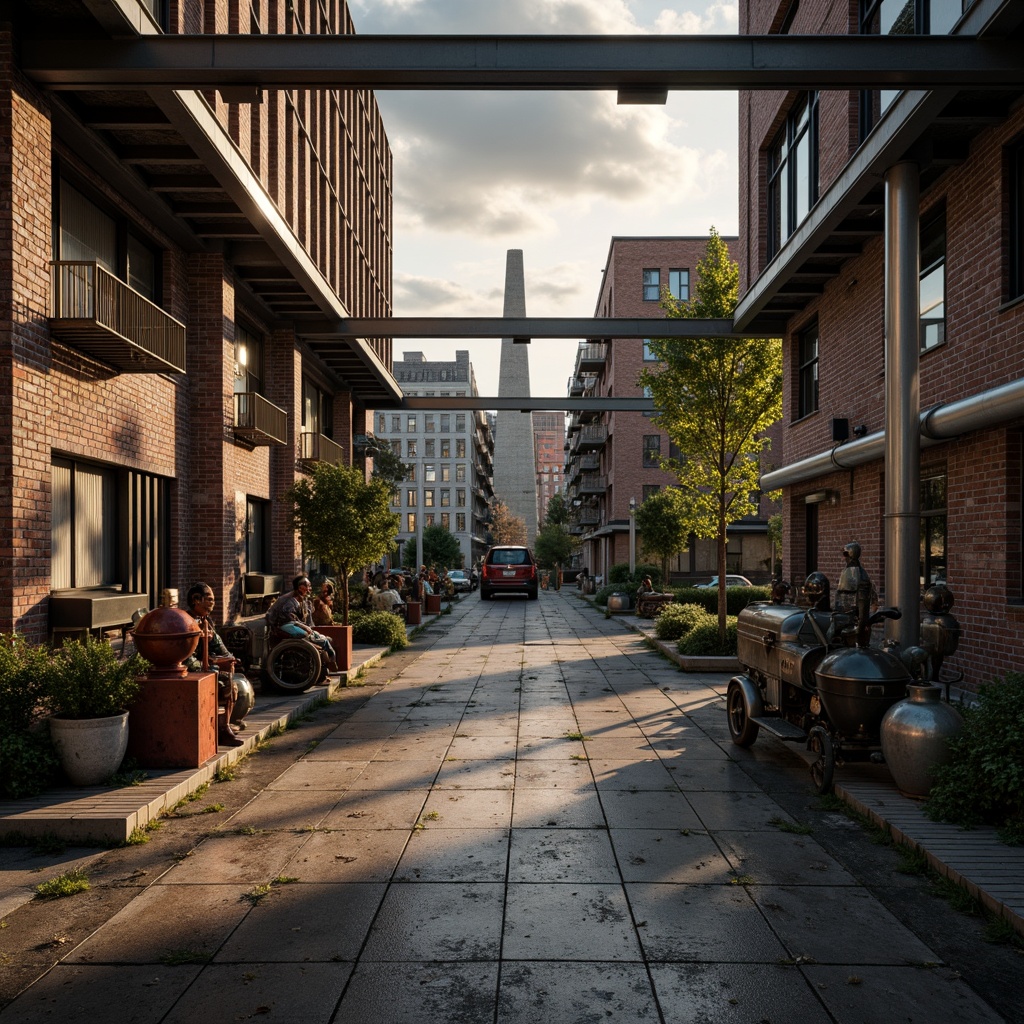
(632, 536)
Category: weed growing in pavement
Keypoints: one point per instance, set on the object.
(578, 757)
(792, 827)
(248, 830)
(67, 884)
(257, 893)
(127, 775)
(742, 880)
(912, 862)
(178, 957)
(999, 932)
(577, 736)
(212, 809)
(959, 899)
(284, 880)
(226, 773)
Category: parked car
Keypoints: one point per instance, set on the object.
(730, 581)
(460, 581)
(508, 568)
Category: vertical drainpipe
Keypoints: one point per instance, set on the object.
(902, 401)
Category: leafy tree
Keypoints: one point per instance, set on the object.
(387, 466)
(552, 548)
(663, 520)
(558, 511)
(715, 398)
(440, 548)
(344, 519)
(505, 527)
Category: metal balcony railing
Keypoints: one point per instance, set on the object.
(99, 314)
(592, 437)
(593, 483)
(590, 516)
(590, 461)
(591, 356)
(318, 448)
(259, 421)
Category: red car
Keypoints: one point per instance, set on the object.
(508, 569)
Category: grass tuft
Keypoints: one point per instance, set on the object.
(68, 884)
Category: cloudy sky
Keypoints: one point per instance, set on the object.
(554, 174)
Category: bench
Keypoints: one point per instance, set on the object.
(648, 605)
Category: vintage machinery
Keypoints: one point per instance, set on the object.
(809, 675)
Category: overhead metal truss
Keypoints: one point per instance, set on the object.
(529, 404)
(504, 62)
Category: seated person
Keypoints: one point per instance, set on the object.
(389, 601)
(323, 605)
(646, 587)
(291, 614)
(201, 602)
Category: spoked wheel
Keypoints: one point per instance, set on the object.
(742, 730)
(293, 666)
(824, 765)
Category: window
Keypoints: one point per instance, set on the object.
(679, 285)
(396, 446)
(396, 498)
(793, 172)
(446, 447)
(410, 522)
(652, 285)
(649, 356)
(446, 422)
(649, 490)
(652, 451)
(429, 422)
(460, 448)
(1016, 220)
(396, 424)
(317, 410)
(428, 498)
(933, 281)
(248, 361)
(460, 421)
(807, 359)
(446, 497)
(410, 424)
(933, 529)
(382, 423)
(460, 522)
(411, 448)
(410, 472)
(446, 520)
(460, 497)
(411, 498)
(429, 448)
(429, 473)
(460, 473)
(428, 519)
(258, 556)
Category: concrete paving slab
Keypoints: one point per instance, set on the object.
(388, 809)
(577, 807)
(472, 808)
(562, 855)
(405, 774)
(626, 809)
(322, 776)
(669, 855)
(476, 775)
(349, 855)
(644, 774)
(779, 858)
(741, 811)
(551, 774)
(439, 853)
(252, 859)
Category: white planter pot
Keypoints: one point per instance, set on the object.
(90, 749)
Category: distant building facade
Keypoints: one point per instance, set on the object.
(612, 458)
(449, 454)
(549, 455)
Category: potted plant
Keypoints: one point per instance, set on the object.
(89, 691)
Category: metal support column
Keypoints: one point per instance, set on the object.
(902, 401)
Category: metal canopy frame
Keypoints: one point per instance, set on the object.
(526, 62)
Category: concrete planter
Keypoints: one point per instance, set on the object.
(433, 604)
(414, 613)
(341, 641)
(90, 749)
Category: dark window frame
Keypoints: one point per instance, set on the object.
(1016, 224)
(651, 458)
(807, 370)
(932, 247)
(784, 175)
(650, 295)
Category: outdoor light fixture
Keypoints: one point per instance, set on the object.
(632, 536)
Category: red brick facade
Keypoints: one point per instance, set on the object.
(325, 161)
(983, 348)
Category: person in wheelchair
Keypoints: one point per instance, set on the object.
(201, 602)
(291, 614)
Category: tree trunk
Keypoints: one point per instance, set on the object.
(722, 605)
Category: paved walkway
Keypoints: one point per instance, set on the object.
(541, 821)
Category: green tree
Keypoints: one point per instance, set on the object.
(343, 518)
(505, 527)
(664, 523)
(552, 549)
(440, 548)
(558, 511)
(715, 398)
(387, 466)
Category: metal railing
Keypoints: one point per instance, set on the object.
(87, 293)
(593, 483)
(591, 355)
(593, 434)
(260, 420)
(318, 448)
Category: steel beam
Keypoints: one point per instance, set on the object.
(599, 328)
(529, 404)
(499, 62)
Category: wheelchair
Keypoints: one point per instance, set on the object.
(287, 664)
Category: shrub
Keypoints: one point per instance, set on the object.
(983, 782)
(29, 761)
(601, 597)
(622, 579)
(618, 574)
(702, 640)
(674, 621)
(89, 680)
(382, 629)
(736, 598)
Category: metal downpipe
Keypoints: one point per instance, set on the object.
(902, 400)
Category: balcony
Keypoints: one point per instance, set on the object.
(591, 356)
(314, 448)
(590, 462)
(101, 316)
(592, 483)
(580, 386)
(258, 421)
(592, 437)
(590, 517)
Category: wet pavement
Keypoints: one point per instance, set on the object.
(540, 820)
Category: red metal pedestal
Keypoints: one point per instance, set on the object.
(173, 724)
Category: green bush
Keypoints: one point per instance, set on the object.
(382, 629)
(601, 597)
(674, 621)
(736, 598)
(619, 574)
(29, 762)
(89, 680)
(702, 640)
(621, 578)
(983, 782)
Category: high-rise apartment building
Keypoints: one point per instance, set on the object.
(448, 454)
(548, 454)
(161, 253)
